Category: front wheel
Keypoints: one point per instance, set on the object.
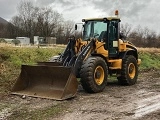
(94, 74)
(129, 71)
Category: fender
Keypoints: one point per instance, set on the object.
(134, 52)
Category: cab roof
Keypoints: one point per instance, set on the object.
(107, 18)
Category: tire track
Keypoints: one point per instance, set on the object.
(147, 105)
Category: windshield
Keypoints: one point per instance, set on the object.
(94, 29)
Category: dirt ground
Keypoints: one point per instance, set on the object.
(137, 102)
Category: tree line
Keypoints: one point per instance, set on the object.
(33, 21)
(37, 21)
(141, 37)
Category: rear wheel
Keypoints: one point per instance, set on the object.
(129, 72)
(94, 74)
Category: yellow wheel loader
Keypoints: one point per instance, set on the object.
(100, 52)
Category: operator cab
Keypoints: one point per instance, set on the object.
(104, 30)
(95, 29)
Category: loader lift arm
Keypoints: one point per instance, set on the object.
(69, 57)
(83, 55)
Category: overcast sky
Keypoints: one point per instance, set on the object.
(135, 12)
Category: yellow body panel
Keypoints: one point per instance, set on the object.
(100, 49)
(122, 46)
(79, 45)
(115, 64)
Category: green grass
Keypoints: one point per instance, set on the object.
(37, 114)
(12, 58)
(149, 60)
(19, 56)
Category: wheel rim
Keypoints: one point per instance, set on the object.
(99, 75)
(131, 70)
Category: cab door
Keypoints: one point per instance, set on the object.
(113, 38)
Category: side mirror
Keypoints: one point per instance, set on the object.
(75, 26)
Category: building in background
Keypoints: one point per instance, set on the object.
(23, 40)
(8, 40)
(51, 40)
(44, 40)
(36, 40)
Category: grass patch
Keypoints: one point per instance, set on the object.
(19, 56)
(149, 60)
(13, 57)
(39, 114)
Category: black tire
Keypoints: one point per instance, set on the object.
(129, 71)
(94, 74)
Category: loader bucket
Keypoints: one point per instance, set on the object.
(46, 80)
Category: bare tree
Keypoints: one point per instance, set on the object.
(144, 37)
(49, 23)
(52, 19)
(68, 28)
(126, 29)
(18, 25)
(28, 15)
(37, 21)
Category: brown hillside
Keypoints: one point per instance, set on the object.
(3, 21)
